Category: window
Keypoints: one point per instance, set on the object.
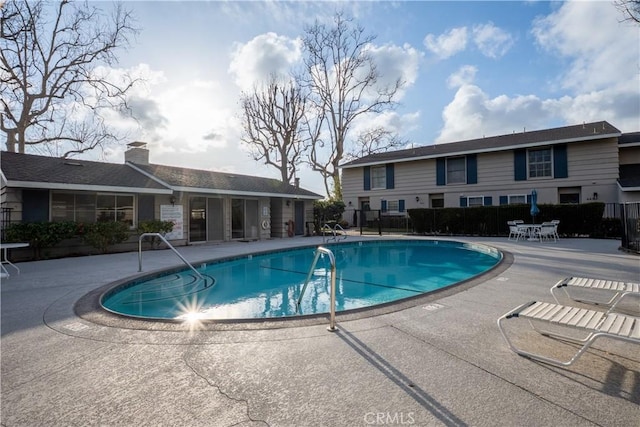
(86, 207)
(456, 170)
(378, 177)
(393, 206)
(475, 201)
(437, 203)
(540, 163)
(517, 199)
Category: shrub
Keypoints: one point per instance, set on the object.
(155, 226)
(101, 235)
(40, 235)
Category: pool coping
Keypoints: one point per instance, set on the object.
(89, 308)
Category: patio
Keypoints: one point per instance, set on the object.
(437, 361)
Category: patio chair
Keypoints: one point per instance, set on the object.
(547, 231)
(594, 324)
(555, 222)
(515, 231)
(583, 289)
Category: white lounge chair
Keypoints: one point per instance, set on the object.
(594, 324)
(584, 289)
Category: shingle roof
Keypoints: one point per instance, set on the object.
(54, 172)
(222, 183)
(493, 143)
(629, 138)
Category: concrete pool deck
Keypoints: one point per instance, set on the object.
(440, 361)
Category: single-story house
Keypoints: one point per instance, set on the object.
(205, 206)
(572, 164)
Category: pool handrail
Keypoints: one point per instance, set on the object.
(319, 251)
(143, 235)
(334, 231)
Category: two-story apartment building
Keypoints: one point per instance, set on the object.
(573, 164)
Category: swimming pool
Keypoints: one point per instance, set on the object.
(268, 285)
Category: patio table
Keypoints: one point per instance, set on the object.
(5, 259)
(531, 230)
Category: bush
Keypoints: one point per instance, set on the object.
(101, 235)
(155, 226)
(40, 235)
(327, 211)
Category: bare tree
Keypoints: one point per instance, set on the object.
(630, 8)
(54, 90)
(374, 141)
(273, 123)
(345, 85)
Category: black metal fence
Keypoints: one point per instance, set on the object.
(630, 219)
(5, 220)
(616, 221)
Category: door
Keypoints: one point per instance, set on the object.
(197, 219)
(215, 219)
(299, 218)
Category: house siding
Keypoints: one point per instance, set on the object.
(591, 166)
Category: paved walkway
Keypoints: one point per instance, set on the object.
(442, 362)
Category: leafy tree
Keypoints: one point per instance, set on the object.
(344, 85)
(53, 83)
(273, 125)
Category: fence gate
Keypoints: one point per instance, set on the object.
(630, 217)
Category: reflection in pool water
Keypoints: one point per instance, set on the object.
(268, 285)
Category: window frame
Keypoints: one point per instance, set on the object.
(377, 176)
(447, 172)
(510, 196)
(81, 216)
(547, 165)
(469, 205)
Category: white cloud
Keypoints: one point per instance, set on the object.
(465, 75)
(448, 44)
(473, 114)
(396, 62)
(264, 55)
(603, 51)
(492, 41)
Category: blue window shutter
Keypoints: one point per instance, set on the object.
(463, 202)
(504, 200)
(560, 169)
(390, 177)
(529, 199)
(383, 205)
(441, 172)
(520, 165)
(401, 205)
(472, 169)
(488, 201)
(367, 177)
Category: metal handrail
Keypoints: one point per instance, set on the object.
(143, 235)
(334, 232)
(332, 260)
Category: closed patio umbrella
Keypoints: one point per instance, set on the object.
(534, 205)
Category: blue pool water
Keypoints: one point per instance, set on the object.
(268, 285)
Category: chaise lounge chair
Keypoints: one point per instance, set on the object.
(595, 324)
(583, 289)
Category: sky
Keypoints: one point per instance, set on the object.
(471, 69)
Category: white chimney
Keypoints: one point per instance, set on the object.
(137, 153)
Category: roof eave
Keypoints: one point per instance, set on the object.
(244, 193)
(85, 187)
(487, 150)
